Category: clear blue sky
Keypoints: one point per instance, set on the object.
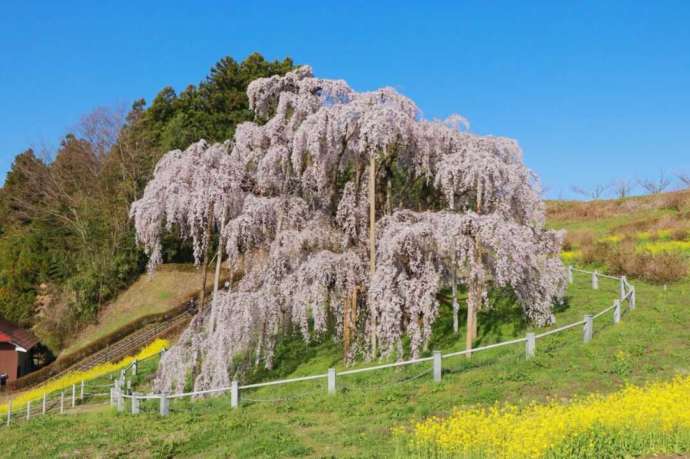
(593, 91)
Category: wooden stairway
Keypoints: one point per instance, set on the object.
(129, 345)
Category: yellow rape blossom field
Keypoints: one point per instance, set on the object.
(657, 415)
(77, 377)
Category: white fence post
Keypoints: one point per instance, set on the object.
(616, 311)
(112, 396)
(120, 401)
(595, 281)
(438, 366)
(530, 345)
(74, 395)
(43, 408)
(28, 410)
(331, 381)
(622, 287)
(234, 394)
(632, 302)
(9, 412)
(135, 403)
(589, 328)
(62, 402)
(134, 368)
(81, 392)
(165, 405)
(570, 274)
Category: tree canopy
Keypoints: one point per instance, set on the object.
(64, 215)
(308, 201)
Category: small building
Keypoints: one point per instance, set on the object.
(19, 349)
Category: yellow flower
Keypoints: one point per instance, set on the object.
(75, 378)
(505, 431)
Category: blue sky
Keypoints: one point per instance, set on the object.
(593, 91)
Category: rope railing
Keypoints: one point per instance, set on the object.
(119, 393)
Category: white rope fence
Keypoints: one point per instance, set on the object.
(120, 390)
(627, 293)
(69, 398)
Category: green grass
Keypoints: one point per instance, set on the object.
(167, 288)
(300, 420)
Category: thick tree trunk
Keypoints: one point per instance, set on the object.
(349, 322)
(372, 240)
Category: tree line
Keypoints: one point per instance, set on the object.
(67, 245)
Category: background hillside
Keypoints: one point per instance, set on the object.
(647, 237)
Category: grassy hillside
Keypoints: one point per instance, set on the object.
(165, 289)
(646, 237)
(651, 343)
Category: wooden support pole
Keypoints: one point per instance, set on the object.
(372, 241)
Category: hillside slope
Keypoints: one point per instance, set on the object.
(646, 236)
(168, 287)
(651, 343)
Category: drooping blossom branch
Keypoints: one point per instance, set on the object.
(297, 187)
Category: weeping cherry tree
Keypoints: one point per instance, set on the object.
(347, 214)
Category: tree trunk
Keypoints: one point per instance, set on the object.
(372, 240)
(204, 265)
(388, 197)
(454, 286)
(349, 322)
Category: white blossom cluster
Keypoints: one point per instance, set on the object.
(292, 189)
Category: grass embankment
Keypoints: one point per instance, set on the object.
(160, 292)
(650, 344)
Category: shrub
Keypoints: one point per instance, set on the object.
(625, 258)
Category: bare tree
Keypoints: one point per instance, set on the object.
(622, 188)
(596, 192)
(658, 185)
(684, 177)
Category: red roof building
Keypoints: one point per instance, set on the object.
(17, 347)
